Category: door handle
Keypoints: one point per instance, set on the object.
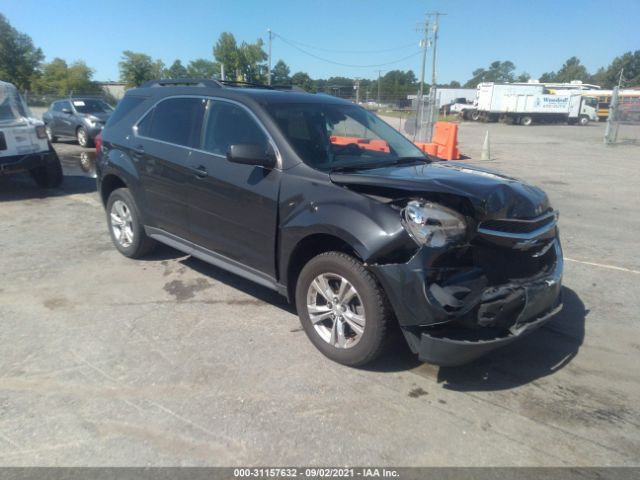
(200, 171)
(139, 150)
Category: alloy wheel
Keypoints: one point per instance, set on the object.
(336, 310)
(122, 223)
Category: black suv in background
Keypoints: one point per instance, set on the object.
(81, 118)
(320, 200)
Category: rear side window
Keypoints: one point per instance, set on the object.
(125, 105)
(229, 124)
(175, 120)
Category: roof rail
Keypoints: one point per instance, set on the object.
(238, 83)
(211, 83)
(188, 82)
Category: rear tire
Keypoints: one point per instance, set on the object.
(359, 331)
(52, 138)
(125, 228)
(474, 115)
(48, 175)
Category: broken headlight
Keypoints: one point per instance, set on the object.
(433, 225)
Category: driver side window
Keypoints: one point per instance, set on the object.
(229, 124)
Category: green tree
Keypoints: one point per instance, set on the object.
(244, 62)
(395, 86)
(523, 77)
(225, 52)
(497, 72)
(302, 80)
(572, 69)
(251, 62)
(176, 70)
(137, 68)
(19, 59)
(280, 74)
(59, 78)
(628, 64)
(202, 68)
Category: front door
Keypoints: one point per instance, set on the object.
(233, 209)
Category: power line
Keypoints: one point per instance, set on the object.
(345, 64)
(328, 50)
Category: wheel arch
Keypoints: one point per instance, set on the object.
(309, 247)
(108, 184)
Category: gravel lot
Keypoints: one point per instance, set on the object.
(169, 361)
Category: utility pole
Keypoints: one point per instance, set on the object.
(424, 43)
(432, 90)
(379, 73)
(269, 65)
(357, 88)
(419, 131)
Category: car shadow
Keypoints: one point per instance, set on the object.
(544, 352)
(22, 187)
(239, 283)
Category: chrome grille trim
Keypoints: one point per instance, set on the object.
(553, 221)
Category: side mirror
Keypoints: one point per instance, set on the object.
(66, 110)
(248, 154)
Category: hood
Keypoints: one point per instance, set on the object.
(492, 195)
(101, 117)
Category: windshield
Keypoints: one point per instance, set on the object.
(12, 106)
(329, 136)
(91, 106)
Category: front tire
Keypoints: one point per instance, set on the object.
(343, 309)
(84, 140)
(583, 120)
(125, 228)
(526, 121)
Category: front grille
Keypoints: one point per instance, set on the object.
(501, 265)
(504, 227)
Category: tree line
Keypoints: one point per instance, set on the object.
(22, 64)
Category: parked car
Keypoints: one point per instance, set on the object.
(23, 141)
(359, 234)
(81, 118)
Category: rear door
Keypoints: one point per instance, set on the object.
(163, 144)
(233, 209)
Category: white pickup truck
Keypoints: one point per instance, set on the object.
(23, 141)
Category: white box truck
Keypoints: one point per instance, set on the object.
(525, 104)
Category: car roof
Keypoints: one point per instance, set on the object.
(263, 95)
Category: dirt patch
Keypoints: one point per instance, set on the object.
(186, 290)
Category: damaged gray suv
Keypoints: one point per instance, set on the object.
(320, 200)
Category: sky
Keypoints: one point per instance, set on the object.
(536, 35)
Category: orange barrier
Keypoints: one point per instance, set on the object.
(445, 135)
(364, 143)
(428, 148)
(445, 142)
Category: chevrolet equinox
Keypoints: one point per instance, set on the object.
(320, 200)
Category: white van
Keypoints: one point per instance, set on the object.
(23, 141)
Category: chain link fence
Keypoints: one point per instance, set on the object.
(623, 123)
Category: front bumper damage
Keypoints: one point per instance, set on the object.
(456, 321)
